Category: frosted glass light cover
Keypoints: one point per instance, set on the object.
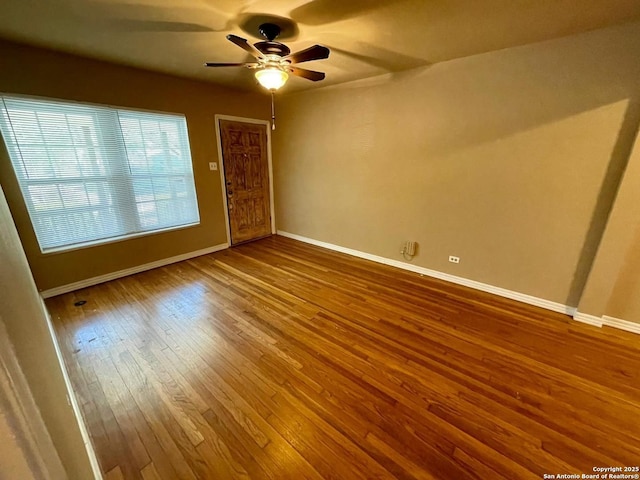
(272, 78)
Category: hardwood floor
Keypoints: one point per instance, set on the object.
(281, 360)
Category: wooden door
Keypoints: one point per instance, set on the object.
(246, 172)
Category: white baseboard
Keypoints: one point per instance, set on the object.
(588, 319)
(521, 297)
(621, 324)
(129, 271)
(607, 321)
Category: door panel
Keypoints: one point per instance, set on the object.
(246, 171)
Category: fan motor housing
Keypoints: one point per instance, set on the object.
(273, 48)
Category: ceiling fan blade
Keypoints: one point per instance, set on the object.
(242, 43)
(308, 74)
(248, 65)
(317, 52)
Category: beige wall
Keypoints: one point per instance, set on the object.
(26, 448)
(15, 463)
(624, 302)
(26, 325)
(509, 160)
(34, 71)
(613, 288)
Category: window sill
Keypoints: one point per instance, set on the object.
(122, 238)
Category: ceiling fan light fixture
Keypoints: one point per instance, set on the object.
(272, 78)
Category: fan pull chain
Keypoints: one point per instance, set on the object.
(273, 111)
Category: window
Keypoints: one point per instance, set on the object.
(90, 174)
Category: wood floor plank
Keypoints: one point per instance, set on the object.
(281, 360)
(114, 474)
(149, 472)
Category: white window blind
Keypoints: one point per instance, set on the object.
(90, 174)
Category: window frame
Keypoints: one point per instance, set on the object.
(11, 144)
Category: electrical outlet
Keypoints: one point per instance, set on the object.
(454, 259)
(213, 166)
(409, 248)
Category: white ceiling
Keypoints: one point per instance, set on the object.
(366, 37)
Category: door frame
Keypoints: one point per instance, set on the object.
(266, 124)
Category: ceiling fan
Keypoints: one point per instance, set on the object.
(274, 60)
